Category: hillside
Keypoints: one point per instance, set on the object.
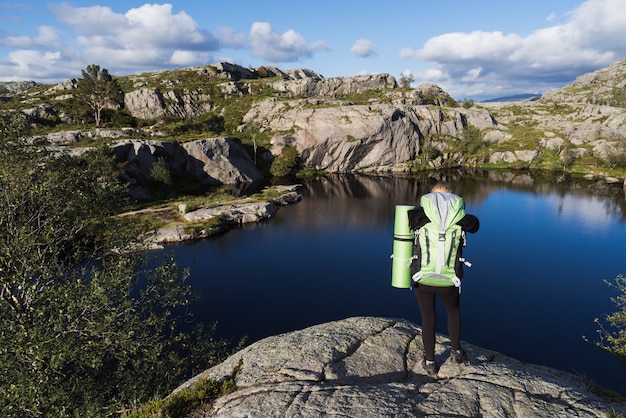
(363, 123)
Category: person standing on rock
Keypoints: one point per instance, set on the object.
(440, 224)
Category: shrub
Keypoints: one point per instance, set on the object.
(616, 157)
(160, 173)
(286, 163)
(613, 339)
(88, 321)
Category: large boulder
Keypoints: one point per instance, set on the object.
(220, 161)
(148, 103)
(371, 367)
(213, 161)
(309, 84)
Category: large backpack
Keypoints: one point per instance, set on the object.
(436, 254)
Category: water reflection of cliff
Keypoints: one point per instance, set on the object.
(358, 199)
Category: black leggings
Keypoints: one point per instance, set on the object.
(451, 300)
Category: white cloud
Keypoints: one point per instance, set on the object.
(46, 38)
(274, 47)
(592, 37)
(319, 46)
(188, 58)
(472, 74)
(155, 26)
(408, 53)
(474, 46)
(149, 36)
(602, 24)
(35, 65)
(363, 48)
(433, 74)
(229, 38)
(90, 21)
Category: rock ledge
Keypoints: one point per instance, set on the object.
(371, 367)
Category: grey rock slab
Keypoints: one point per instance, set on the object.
(371, 367)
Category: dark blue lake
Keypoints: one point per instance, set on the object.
(536, 285)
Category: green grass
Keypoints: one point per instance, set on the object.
(186, 401)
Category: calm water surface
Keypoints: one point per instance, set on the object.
(537, 281)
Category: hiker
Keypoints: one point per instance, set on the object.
(430, 282)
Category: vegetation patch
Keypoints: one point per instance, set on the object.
(286, 163)
(199, 397)
(207, 227)
(365, 97)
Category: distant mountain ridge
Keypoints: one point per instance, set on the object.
(513, 98)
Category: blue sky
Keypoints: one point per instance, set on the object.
(472, 49)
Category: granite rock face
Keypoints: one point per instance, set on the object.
(368, 123)
(212, 161)
(371, 367)
(363, 138)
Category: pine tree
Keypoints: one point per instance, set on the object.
(98, 90)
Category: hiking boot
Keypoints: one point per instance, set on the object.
(458, 356)
(431, 368)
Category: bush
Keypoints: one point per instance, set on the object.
(614, 340)
(286, 163)
(160, 172)
(88, 323)
(616, 157)
(468, 103)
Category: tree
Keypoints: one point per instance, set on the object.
(613, 338)
(406, 79)
(88, 322)
(98, 90)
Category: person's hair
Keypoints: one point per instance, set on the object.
(441, 188)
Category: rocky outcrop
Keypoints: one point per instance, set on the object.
(9, 88)
(236, 213)
(153, 103)
(585, 118)
(70, 137)
(580, 130)
(212, 161)
(526, 156)
(369, 123)
(603, 87)
(425, 94)
(371, 367)
(373, 137)
(231, 214)
(313, 85)
(219, 161)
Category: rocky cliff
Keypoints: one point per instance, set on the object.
(373, 137)
(604, 87)
(212, 161)
(371, 367)
(364, 123)
(586, 119)
(329, 134)
(305, 110)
